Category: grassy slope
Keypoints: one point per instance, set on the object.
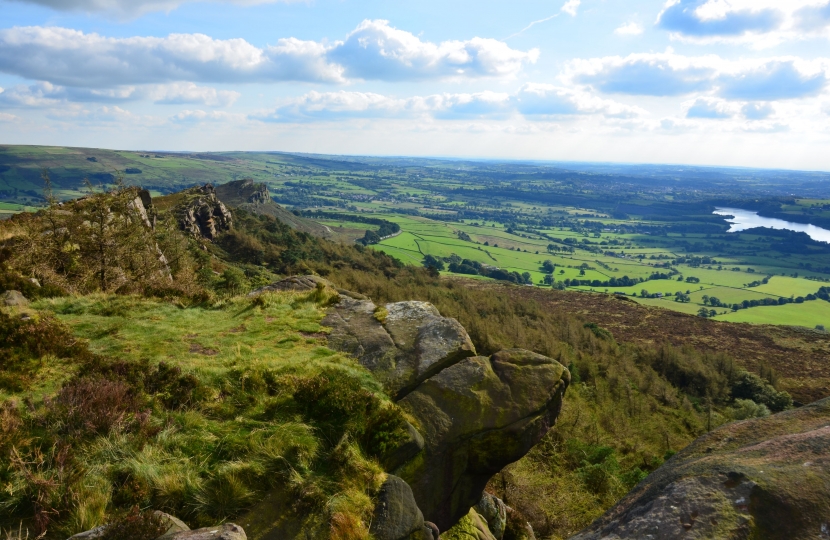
(209, 462)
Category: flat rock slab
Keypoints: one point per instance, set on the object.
(228, 531)
(761, 478)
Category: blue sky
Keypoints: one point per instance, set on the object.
(704, 82)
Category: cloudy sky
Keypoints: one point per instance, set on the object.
(704, 82)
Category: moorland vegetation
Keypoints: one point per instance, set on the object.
(143, 376)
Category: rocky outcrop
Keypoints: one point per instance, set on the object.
(761, 478)
(254, 198)
(473, 414)
(202, 214)
(243, 192)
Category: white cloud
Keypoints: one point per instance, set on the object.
(187, 93)
(629, 29)
(129, 8)
(6, 117)
(325, 106)
(670, 74)
(545, 100)
(374, 50)
(199, 116)
(757, 111)
(708, 108)
(44, 95)
(760, 23)
(571, 7)
(73, 58)
(533, 101)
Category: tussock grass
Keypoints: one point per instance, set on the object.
(198, 411)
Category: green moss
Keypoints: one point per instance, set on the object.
(471, 527)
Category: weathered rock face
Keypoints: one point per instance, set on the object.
(174, 527)
(397, 516)
(143, 205)
(243, 192)
(478, 416)
(475, 414)
(494, 511)
(762, 478)
(203, 214)
(402, 343)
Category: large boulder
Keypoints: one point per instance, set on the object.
(761, 478)
(402, 344)
(14, 299)
(478, 416)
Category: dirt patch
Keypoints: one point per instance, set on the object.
(195, 348)
(314, 335)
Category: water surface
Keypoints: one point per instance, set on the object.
(742, 220)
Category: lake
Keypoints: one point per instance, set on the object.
(747, 219)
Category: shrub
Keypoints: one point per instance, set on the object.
(23, 343)
(135, 525)
(338, 403)
(752, 387)
(746, 408)
(90, 405)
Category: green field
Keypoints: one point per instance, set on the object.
(808, 314)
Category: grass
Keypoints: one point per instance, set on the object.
(208, 339)
(788, 286)
(220, 419)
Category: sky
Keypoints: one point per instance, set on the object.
(700, 82)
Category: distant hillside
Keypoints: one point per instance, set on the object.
(253, 197)
(21, 169)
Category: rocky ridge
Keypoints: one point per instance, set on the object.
(255, 198)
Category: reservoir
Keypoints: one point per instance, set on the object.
(747, 219)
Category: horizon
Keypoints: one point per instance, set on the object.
(445, 158)
(715, 83)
